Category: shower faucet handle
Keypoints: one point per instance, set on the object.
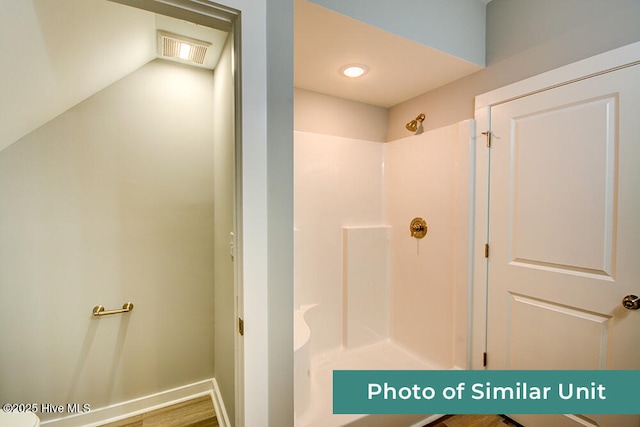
(418, 228)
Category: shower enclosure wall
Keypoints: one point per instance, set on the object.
(372, 296)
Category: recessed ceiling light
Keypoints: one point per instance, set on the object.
(354, 70)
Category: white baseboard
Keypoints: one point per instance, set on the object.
(218, 404)
(119, 411)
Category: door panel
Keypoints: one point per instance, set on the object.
(584, 335)
(564, 232)
(548, 181)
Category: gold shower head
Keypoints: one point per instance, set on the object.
(413, 124)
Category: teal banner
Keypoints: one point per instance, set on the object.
(486, 392)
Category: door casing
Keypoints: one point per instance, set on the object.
(609, 61)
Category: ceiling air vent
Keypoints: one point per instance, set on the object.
(183, 49)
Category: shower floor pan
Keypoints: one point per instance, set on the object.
(380, 356)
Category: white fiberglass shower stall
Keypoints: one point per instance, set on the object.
(369, 295)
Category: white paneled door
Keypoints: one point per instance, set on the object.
(564, 232)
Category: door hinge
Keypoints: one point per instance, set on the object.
(488, 135)
(240, 326)
(232, 245)
(486, 250)
(484, 359)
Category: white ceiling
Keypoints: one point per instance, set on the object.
(399, 69)
(67, 50)
(64, 51)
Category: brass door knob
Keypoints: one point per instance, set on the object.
(631, 302)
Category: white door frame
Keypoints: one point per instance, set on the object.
(603, 63)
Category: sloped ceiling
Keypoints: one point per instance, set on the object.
(56, 53)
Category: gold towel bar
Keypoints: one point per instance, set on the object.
(99, 310)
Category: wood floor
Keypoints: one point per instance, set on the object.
(192, 413)
(473, 421)
(200, 413)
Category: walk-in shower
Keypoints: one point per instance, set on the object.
(370, 294)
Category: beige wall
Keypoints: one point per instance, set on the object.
(328, 115)
(224, 211)
(525, 38)
(111, 201)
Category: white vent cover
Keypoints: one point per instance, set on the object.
(184, 49)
